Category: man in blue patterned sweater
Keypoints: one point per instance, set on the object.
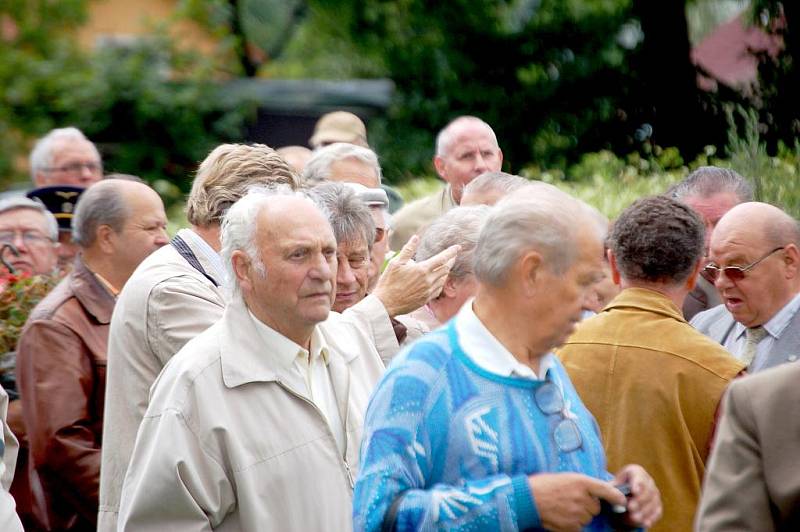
(477, 425)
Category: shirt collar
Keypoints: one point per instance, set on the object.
(778, 323)
(488, 352)
(210, 257)
(286, 351)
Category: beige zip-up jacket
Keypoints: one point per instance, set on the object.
(231, 441)
(166, 303)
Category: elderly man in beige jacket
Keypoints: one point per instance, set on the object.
(256, 423)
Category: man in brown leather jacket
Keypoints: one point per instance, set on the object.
(61, 360)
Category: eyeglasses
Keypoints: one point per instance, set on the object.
(567, 435)
(735, 273)
(29, 238)
(75, 168)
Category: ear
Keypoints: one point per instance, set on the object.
(529, 272)
(439, 164)
(449, 288)
(104, 238)
(692, 280)
(792, 261)
(500, 155)
(612, 262)
(241, 268)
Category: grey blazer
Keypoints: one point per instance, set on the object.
(717, 323)
(753, 478)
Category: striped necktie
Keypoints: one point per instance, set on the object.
(753, 335)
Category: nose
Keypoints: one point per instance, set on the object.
(722, 282)
(480, 163)
(344, 273)
(162, 239)
(323, 270)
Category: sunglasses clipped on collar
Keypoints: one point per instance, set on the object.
(735, 273)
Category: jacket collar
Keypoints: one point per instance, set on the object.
(253, 352)
(91, 293)
(645, 299)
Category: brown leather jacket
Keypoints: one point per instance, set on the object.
(61, 375)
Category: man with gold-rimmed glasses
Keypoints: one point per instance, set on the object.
(755, 265)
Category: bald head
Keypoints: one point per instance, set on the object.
(760, 242)
(759, 222)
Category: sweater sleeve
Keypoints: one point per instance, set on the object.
(405, 441)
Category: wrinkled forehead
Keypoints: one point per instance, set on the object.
(471, 135)
(24, 219)
(69, 147)
(741, 239)
(293, 222)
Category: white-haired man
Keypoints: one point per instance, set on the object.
(256, 423)
(465, 148)
(32, 230)
(477, 426)
(65, 157)
(174, 295)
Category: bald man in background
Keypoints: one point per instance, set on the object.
(755, 264)
(466, 148)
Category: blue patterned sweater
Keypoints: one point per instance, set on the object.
(449, 446)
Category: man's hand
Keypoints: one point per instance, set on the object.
(406, 285)
(568, 501)
(644, 506)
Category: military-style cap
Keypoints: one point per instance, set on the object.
(60, 200)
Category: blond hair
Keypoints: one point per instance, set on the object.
(226, 174)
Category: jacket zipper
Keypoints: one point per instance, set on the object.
(348, 472)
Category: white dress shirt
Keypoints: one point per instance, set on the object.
(313, 368)
(211, 256)
(481, 346)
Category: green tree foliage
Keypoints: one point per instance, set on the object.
(153, 109)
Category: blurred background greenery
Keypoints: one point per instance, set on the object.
(606, 98)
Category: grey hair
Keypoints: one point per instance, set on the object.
(491, 181)
(348, 215)
(101, 204)
(21, 202)
(707, 181)
(318, 168)
(459, 226)
(445, 136)
(238, 228)
(540, 219)
(42, 154)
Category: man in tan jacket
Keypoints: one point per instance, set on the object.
(256, 423)
(651, 380)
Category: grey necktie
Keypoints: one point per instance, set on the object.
(753, 335)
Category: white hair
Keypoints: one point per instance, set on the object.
(542, 218)
(21, 202)
(103, 203)
(459, 226)
(43, 152)
(445, 136)
(239, 225)
(318, 168)
(495, 181)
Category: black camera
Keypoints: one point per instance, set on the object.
(617, 514)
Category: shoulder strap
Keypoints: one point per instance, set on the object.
(186, 252)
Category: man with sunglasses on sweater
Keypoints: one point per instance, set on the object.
(477, 426)
(755, 265)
